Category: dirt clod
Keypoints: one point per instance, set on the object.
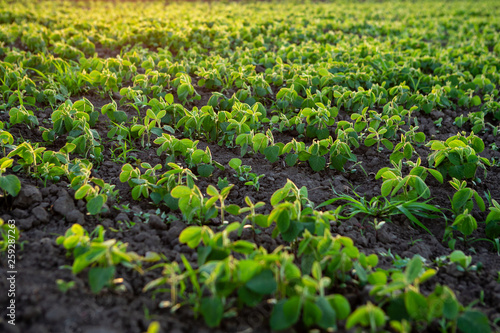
(28, 196)
(64, 204)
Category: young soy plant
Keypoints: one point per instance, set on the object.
(413, 185)
(462, 204)
(243, 173)
(194, 206)
(29, 157)
(458, 156)
(102, 256)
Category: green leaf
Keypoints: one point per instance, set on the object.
(283, 221)
(232, 227)
(95, 204)
(454, 143)
(473, 159)
(262, 221)
(473, 321)
(243, 246)
(328, 314)
(377, 278)
(136, 192)
(437, 145)
(272, 153)
(212, 310)
(416, 305)
(156, 197)
(292, 272)
(366, 315)
(469, 170)
(372, 260)
(248, 297)
(450, 307)
(396, 310)
(466, 224)
(154, 327)
(322, 133)
(493, 229)
(212, 191)
(312, 313)
(427, 275)
(324, 72)
(476, 100)
(317, 163)
(477, 144)
(127, 167)
(304, 155)
(388, 144)
(247, 268)
(180, 191)
(169, 98)
(120, 117)
(259, 141)
(263, 283)
(291, 159)
(370, 142)
(341, 306)
(293, 231)
(419, 137)
(171, 202)
(285, 313)
(407, 151)
(191, 236)
(10, 184)
(460, 198)
(387, 185)
(82, 191)
(183, 91)
(427, 108)
(87, 258)
(71, 241)
(455, 158)
(232, 209)
(360, 272)
(413, 269)
(479, 202)
(235, 163)
(100, 277)
(203, 254)
(421, 187)
(460, 258)
(456, 171)
(436, 174)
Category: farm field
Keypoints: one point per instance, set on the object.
(249, 167)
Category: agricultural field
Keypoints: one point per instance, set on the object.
(249, 167)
